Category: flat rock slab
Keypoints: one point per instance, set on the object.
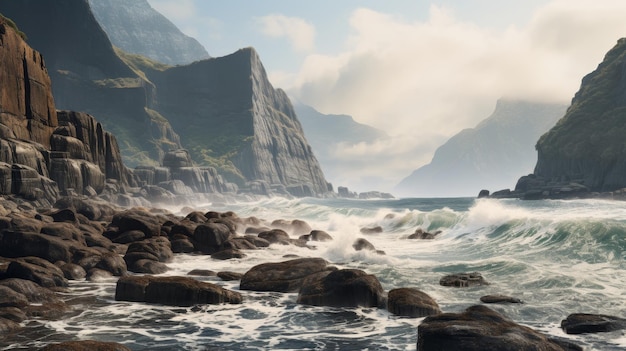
(500, 299)
(463, 280)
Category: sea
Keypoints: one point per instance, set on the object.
(558, 257)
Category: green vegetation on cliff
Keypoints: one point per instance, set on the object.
(14, 26)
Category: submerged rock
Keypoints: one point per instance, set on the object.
(463, 280)
(499, 299)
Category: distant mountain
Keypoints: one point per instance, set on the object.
(326, 133)
(587, 146)
(492, 155)
(135, 27)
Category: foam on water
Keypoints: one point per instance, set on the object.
(559, 257)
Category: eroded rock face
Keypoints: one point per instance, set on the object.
(482, 329)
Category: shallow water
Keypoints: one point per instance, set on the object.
(559, 257)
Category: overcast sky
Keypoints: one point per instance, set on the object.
(419, 70)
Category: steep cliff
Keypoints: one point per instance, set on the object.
(42, 151)
(493, 154)
(229, 115)
(588, 145)
(135, 27)
(87, 75)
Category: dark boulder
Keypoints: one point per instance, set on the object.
(98, 275)
(284, 276)
(202, 273)
(129, 237)
(182, 245)
(363, 244)
(229, 276)
(85, 345)
(411, 302)
(227, 254)
(317, 235)
(275, 236)
(8, 326)
(499, 299)
(173, 291)
(64, 215)
(147, 267)
(21, 244)
(137, 219)
(421, 234)
(73, 271)
(11, 298)
(482, 329)
(342, 288)
(581, 323)
(210, 236)
(37, 270)
(463, 280)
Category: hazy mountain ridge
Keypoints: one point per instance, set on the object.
(492, 154)
(135, 27)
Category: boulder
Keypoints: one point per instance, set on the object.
(499, 299)
(317, 235)
(229, 276)
(581, 323)
(363, 244)
(463, 280)
(85, 345)
(275, 236)
(11, 298)
(342, 288)
(202, 273)
(227, 254)
(37, 270)
(411, 302)
(210, 236)
(137, 219)
(421, 234)
(22, 244)
(73, 271)
(481, 329)
(286, 276)
(173, 291)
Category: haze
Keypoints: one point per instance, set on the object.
(421, 71)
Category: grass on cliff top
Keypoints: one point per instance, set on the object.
(139, 64)
(14, 26)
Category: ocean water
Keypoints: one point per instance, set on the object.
(559, 257)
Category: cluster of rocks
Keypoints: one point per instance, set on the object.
(344, 192)
(40, 251)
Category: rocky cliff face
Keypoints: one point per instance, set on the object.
(135, 27)
(492, 154)
(225, 109)
(43, 152)
(87, 75)
(587, 145)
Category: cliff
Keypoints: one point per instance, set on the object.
(229, 115)
(135, 27)
(587, 145)
(492, 154)
(87, 75)
(44, 152)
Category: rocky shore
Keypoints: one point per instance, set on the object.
(43, 250)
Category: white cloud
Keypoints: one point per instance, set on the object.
(433, 78)
(300, 33)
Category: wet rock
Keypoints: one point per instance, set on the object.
(372, 230)
(499, 299)
(98, 275)
(137, 219)
(13, 314)
(173, 291)
(210, 236)
(64, 215)
(128, 237)
(11, 298)
(240, 243)
(227, 254)
(482, 329)
(342, 288)
(258, 242)
(275, 236)
(86, 345)
(73, 271)
(284, 276)
(147, 266)
(182, 245)
(8, 326)
(463, 280)
(317, 235)
(202, 273)
(229, 276)
(22, 244)
(363, 244)
(581, 323)
(37, 270)
(421, 234)
(411, 302)
(112, 263)
(256, 230)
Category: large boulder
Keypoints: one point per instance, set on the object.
(37, 270)
(210, 236)
(137, 219)
(581, 323)
(482, 329)
(21, 244)
(342, 288)
(286, 276)
(411, 302)
(173, 291)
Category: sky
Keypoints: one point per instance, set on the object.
(419, 70)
